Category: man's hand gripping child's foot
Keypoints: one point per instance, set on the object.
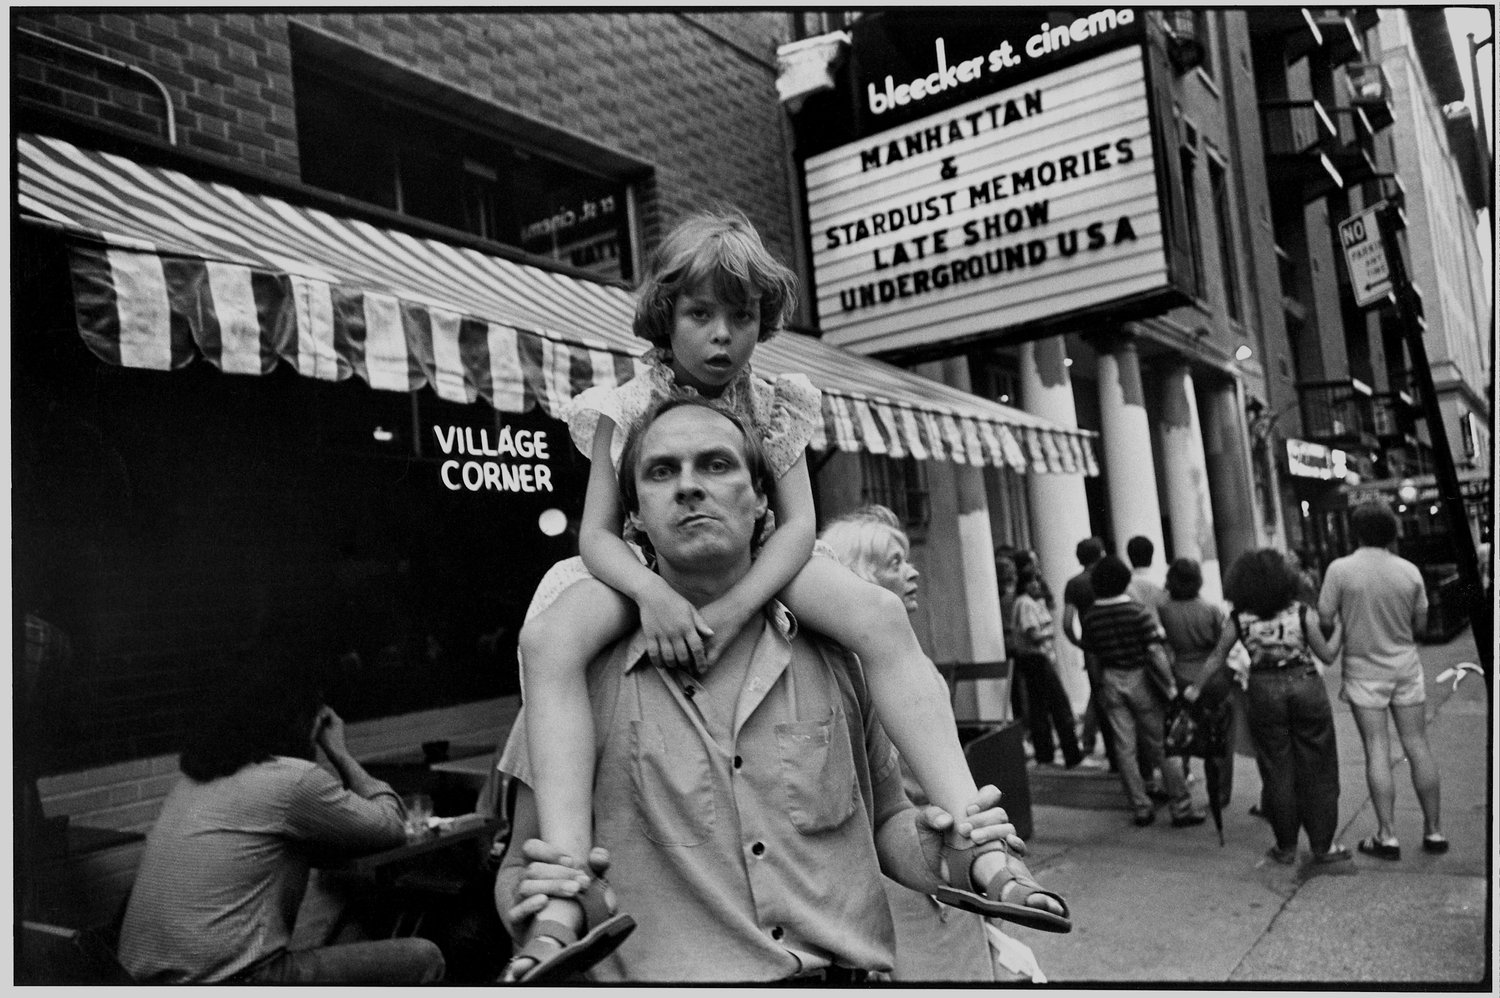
(571, 915)
(990, 879)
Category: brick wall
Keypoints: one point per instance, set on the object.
(229, 76)
(653, 86)
(663, 88)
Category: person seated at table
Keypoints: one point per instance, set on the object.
(227, 862)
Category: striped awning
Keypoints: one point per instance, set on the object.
(166, 268)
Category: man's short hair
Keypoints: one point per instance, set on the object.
(1373, 524)
(630, 456)
(1089, 550)
(1109, 577)
(1140, 551)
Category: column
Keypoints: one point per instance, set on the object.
(1125, 432)
(1186, 473)
(1059, 506)
(1231, 489)
(974, 559)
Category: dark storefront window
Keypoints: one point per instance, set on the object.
(168, 522)
(370, 143)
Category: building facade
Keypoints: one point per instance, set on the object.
(414, 229)
(1352, 104)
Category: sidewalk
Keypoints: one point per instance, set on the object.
(1170, 905)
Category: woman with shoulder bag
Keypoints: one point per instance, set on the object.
(1291, 720)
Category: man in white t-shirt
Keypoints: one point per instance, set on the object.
(1380, 602)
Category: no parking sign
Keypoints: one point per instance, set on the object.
(1369, 270)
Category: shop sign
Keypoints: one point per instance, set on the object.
(1022, 204)
(498, 458)
(1305, 459)
(1364, 250)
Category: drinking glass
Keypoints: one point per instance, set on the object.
(418, 811)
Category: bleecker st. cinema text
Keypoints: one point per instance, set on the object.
(476, 474)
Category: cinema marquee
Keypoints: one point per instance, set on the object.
(989, 187)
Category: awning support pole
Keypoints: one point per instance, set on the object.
(1480, 615)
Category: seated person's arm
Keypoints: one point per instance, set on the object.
(337, 820)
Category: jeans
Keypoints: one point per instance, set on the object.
(386, 961)
(1291, 722)
(1048, 709)
(1096, 718)
(1138, 719)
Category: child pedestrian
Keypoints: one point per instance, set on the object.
(1036, 660)
(711, 293)
(1137, 684)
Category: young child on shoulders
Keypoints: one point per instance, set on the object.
(712, 292)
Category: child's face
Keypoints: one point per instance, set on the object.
(711, 339)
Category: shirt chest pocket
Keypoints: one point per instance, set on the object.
(817, 772)
(674, 792)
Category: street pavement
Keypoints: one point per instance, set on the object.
(1171, 906)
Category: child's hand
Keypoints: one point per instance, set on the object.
(675, 631)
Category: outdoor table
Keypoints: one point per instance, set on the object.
(412, 874)
(466, 828)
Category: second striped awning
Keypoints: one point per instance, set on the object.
(167, 268)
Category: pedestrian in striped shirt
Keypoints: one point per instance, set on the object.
(1137, 686)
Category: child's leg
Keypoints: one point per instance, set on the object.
(556, 647)
(915, 711)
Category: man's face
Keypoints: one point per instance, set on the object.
(698, 504)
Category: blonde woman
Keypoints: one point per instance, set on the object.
(933, 941)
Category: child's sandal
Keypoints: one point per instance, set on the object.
(559, 953)
(990, 900)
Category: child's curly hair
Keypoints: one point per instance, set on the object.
(722, 250)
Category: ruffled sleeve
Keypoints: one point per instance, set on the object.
(789, 410)
(623, 404)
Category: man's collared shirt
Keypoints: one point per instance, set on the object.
(226, 865)
(741, 836)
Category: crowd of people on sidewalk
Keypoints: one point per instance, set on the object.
(1255, 664)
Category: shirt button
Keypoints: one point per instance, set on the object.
(758, 849)
(777, 933)
(689, 691)
(738, 762)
